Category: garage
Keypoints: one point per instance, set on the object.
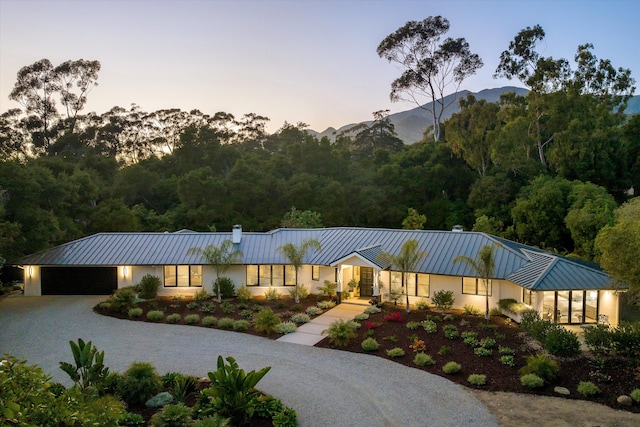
(79, 280)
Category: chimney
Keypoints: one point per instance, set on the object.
(457, 228)
(237, 234)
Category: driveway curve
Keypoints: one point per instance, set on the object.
(326, 387)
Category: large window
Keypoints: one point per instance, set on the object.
(182, 276)
(315, 272)
(271, 275)
(475, 286)
(527, 297)
(417, 283)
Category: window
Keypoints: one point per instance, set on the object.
(423, 285)
(475, 286)
(527, 296)
(315, 272)
(417, 283)
(182, 276)
(271, 275)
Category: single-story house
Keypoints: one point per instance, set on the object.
(561, 289)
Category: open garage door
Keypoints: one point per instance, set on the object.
(79, 280)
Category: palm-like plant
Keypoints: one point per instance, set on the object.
(221, 258)
(406, 261)
(484, 266)
(295, 255)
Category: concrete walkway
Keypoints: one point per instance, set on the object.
(311, 333)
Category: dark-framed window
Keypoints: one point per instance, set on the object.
(527, 296)
(182, 276)
(417, 283)
(315, 272)
(270, 275)
(475, 286)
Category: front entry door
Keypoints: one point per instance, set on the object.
(366, 281)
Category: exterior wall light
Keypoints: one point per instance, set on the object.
(30, 271)
(125, 271)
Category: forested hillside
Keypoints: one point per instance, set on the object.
(546, 169)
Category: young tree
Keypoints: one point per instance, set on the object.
(430, 66)
(295, 255)
(484, 267)
(406, 261)
(414, 220)
(301, 219)
(221, 258)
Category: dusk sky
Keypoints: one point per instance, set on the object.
(296, 61)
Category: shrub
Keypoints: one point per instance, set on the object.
(451, 332)
(542, 366)
(281, 304)
(191, 319)
(313, 311)
(395, 352)
(443, 300)
(370, 344)
(246, 314)
(131, 419)
(395, 295)
(226, 287)
(587, 388)
(285, 314)
(531, 381)
(105, 305)
(241, 325)
(429, 326)
(192, 305)
(413, 325)
(208, 307)
(148, 286)
(155, 315)
(173, 318)
(268, 406)
(296, 307)
(303, 292)
(271, 294)
(227, 307)
(626, 339)
(471, 341)
(285, 418)
(266, 321)
(506, 351)
(483, 352)
(88, 371)
(444, 350)
(512, 306)
(451, 368)
(183, 386)
(423, 359)
(244, 294)
(534, 326)
(422, 304)
(635, 395)
(226, 323)
(325, 305)
(232, 393)
(135, 312)
(477, 379)
(599, 339)
(202, 295)
(340, 332)
(286, 328)
(123, 300)
(139, 383)
(433, 318)
(562, 342)
(172, 416)
(360, 317)
(491, 327)
(329, 289)
(209, 321)
(508, 359)
(487, 342)
(300, 318)
(471, 310)
(394, 317)
(372, 309)
(391, 338)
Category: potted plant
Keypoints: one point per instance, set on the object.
(353, 287)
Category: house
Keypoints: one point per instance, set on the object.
(560, 289)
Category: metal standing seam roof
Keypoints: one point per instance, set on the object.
(529, 267)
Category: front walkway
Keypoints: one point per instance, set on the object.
(311, 333)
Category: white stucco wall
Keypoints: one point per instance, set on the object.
(33, 282)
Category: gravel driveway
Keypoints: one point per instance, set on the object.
(325, 387)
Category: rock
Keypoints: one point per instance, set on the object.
(160, 400)
(204, 380)
(562, 390)
(625, 400)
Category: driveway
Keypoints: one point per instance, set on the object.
(325, 387)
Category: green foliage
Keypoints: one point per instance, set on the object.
(423, 359)
(173, 318)
(599, 339)
(483, 352)
(208, 307)
(172, 416)
(487, 342)
(412, 325)
(227, 307)
(477, 379)
(370, 344)
(506, 351)
(372, 309)
(139, 383)
(123, 300)
(532, 324)
(395, 352)
(422, 304)
(303, 292)
(451, 368)
(135, 312)
(88, 372)
(587, 388)
(155, 315)
(247, 314)
(191, 319)
(266, 321)
(512, 306)
(329, 288)
(300, 318)
(226, 323)
(313, 310)
(272, 294)
(429, 326)
(562, 342)
(471, 310)
(413, 220)
(531, 381)
(286, 327)
(148, 286)
(626, 339)
(444, 350)
(508, 359)
(301, 219)
(285, 418)
(209, 321)
(451, 332)
(635, 394)
(443, 300)
(340, 332)
(221, 258)
(202, 295)
(130, 419)
(192, 305)
(244, 294)
(325, 305)
(225, 286)
(542, 366)
(232, 393)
